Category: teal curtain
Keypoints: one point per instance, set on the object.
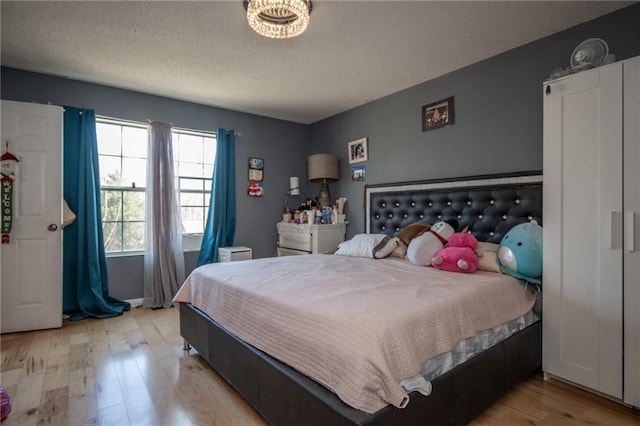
(85, 281)
(220, 229)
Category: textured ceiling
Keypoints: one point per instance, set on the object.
(204, 52)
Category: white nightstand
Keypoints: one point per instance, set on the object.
(295, 239)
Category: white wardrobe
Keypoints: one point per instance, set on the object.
(591, 201)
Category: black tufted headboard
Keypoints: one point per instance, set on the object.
(488, 205)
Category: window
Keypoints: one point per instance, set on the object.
(194, 155)
(122, 153)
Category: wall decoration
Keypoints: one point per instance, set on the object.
(358, 151)
(256, 176)
(358, 173)
(9, 164)
(437, 114)
(255, 189)
(256, 169)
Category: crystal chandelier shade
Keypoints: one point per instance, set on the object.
(278, 18)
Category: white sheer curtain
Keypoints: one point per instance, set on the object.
(163, 257)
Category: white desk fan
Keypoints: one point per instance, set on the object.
(590, 53)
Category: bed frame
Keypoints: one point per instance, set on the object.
(489, 206)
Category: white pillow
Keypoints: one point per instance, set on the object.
(361, 245)
(488, 257)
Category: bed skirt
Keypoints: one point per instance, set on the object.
(283, 396)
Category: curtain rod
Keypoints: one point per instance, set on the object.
(141, 124)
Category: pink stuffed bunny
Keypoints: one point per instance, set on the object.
(459, 255)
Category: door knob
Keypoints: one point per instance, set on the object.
(53, 227)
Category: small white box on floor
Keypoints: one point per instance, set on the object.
(231, 254)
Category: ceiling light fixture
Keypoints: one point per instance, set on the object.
(278, 18)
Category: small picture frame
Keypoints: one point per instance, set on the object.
(358, 173)
(437, 114)
(256, 169)
(358, 151)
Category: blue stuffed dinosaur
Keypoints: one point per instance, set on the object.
(520, 252)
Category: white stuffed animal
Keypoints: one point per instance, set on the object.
(423, 247)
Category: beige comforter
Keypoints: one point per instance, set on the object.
(358, 326)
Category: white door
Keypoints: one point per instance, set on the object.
(32, 261)
(582, 232)
(632, 231)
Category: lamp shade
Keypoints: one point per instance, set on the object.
(294, 185)
(322, 166)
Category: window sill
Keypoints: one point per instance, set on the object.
(190, 243)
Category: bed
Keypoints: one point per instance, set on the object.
(489, 206)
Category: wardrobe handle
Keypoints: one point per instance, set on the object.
(616, 230)
(630, 231)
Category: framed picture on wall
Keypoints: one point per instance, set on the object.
(437, 114)
(358, 151)
(256, 169)
(358, 173)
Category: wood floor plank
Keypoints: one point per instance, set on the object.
(28, 394)
(83, 406)
(78, 357)
(57, 373)
(502, 414)
(131, 370)
(606, 416)
(140, 407)
(36, 360)
(21, 418)
(59, 342)
(83, 410)
(54, 407)
(114, 415)
(108, 393)
(14, 350)
(10, 378)
(103, 366)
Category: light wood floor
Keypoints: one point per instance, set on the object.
(131, 370)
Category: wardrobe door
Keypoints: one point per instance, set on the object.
(582, 234)
(632, 231)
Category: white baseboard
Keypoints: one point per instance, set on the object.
(135, 303)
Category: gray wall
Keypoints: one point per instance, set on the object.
(498, 116)
(283, 146)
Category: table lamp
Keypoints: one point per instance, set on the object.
(323, 168)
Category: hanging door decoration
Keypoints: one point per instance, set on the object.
(8, 170)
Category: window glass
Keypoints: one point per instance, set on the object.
(195, 154)
(109, 142)
(112, 236)
(110, 167)
(134, 172)
(134, 142)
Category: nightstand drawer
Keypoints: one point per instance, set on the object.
(289, 252)
(287, 242)
(293, 236)
(309, 238)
